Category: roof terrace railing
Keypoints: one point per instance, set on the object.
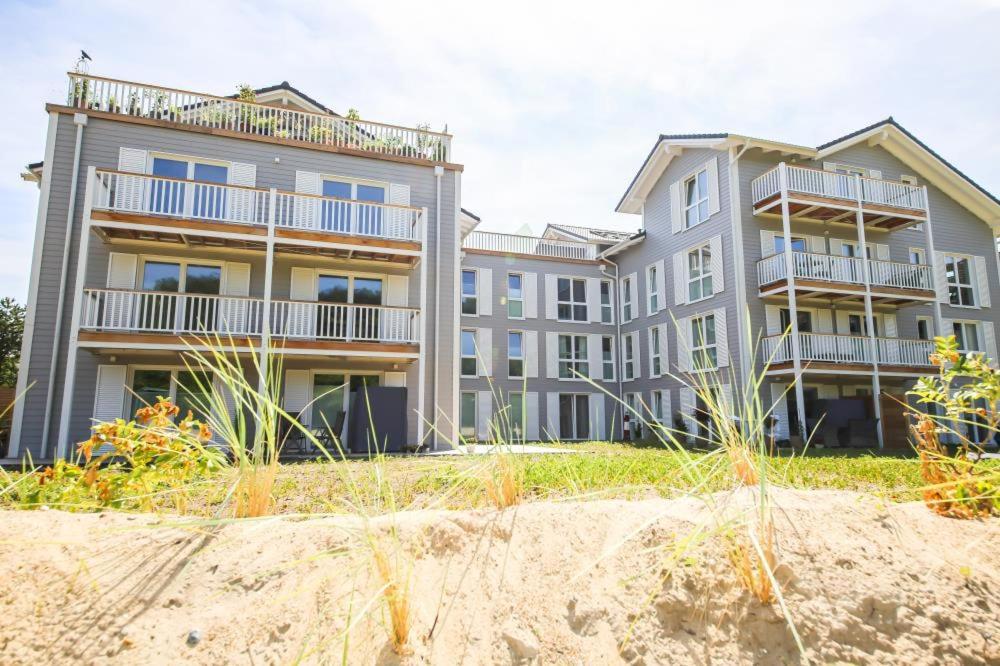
(489, 241)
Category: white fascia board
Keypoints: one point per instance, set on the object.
(664, 153)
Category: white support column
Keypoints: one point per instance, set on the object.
(265, 338)
(793, 314)
(932, 259)
(69, 379)
(422, 359)
(869, 316)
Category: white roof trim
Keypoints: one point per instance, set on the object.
(466, 223)
(283, 95)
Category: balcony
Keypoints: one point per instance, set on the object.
(835, 197)
(844, 353)
(825, 275)
(149, 104)
(533, 247)
(194, 212)
(122, 316)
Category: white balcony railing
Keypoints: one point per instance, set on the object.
(846, 270)
(116, 310)
(805, 180)
(827, 347)
(198, 109)
(143, 194)
(528, 245)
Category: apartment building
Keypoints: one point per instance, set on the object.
(166, 216)
(863, 249)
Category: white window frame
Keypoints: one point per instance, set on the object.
(354, 182)
(183, 263)
(976, 328)
(929, 322)
(628, 290)
(474, 356)
(511, 299)
(575, 361)
(971, 285)
(191, 161)
(520, 358)
(909, 179)
(703, 198)
(699, 345)
(463, 295)
(921, 254)
(607, 309)
(606, 362)
(628, 357)
(877, 318)
(656, 356)
(780, 238)
(653, 294)
(351, 277)
(571, 303)
(576, 435)
(174, 370)
(706, 272)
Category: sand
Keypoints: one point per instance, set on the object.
(553, 583)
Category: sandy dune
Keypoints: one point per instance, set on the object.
(574, 582)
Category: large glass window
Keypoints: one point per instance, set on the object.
(804, 320)
(574, 421)
(329, 399)
(518, 425)
(169, 197)
(147, 386)
(696, 199)
(703, 345)
(343, 216)
(159, 313)
(959, 273)
(190, 391)
(515, 354)
(470, 293)
(607, 312)
(699, 273)
(469, 364)
(924, 328)
(858, 324)
(573, 357)
(571, 299)
(515, 295)
(798, 244)
(467, 416)
(967, 336)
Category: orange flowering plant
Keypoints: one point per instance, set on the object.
(129, 464)
(964, 392)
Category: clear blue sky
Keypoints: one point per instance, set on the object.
(553, 105)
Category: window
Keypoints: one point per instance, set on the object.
(700, 273)
(917, 256)
(157, 313)
(854, 250)
(629, 370)
(470, 293)
(804, 318)
(469, 364)
(329, 393)
(337, 322)
(958, 270)
(571, 299)
(467, 416)
(517, 412)
(858, 324)
(967, 336)
(515, 295)
(626, 299)
(654, 334)
(703, 349)
(574, 419)
(340, 215)
(515, 354)
(608, 357)
(657, 398)
(607, 313)
(188, 390)
(170, 196)
(909, 180)
(696, 199)
(651, 286)
(924, 328)
(798, 244)
(573, 356)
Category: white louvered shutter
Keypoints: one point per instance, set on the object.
(680, 278)
(109, 396)
(636, 301)
(394, 324)
(233, 314)
(131, 194)
(529, 342)
(687, 399)
(484, 409)
(766, 243)
(721, 338)
(242, 202)
(398, 220)
(828, 392)
(843, 323)
(661, 284)
(223, 411)
(551, 286)
(594, 357)
(395, 379)
(889, 320)
(596, 405)
(397, 291)
(947, 327)
(300, 315)
(668, 419)
(982, 283)
(824, 321)
(990, 342)
(298, 386)
(881, 251)
(817, 244)
(718, 276)
(637, 349)
(649, 349)
(552, 355)
(714, 203)
(874, 173)
(531, 417)
(120, 306)
(779, 402)
(306, 211)
(485, 278)
(664, 349)
(684, 344)
(530, 288)
(484, 340)
(594, 299)
(941, 278)
(772, 319)
(552, 416)
(676, 208)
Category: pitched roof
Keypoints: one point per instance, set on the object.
(285, 85)
(590, 233)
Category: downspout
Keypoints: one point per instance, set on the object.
(80, 120)
(742, 308)
(438, 173)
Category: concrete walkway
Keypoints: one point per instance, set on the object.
(484, 449)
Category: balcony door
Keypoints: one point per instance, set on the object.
(798, 244)
(184, 199)
(805, 322)
(165, 308)
(343, 216)
(334, 320)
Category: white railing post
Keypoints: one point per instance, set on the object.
(792, 305)
(869, 316)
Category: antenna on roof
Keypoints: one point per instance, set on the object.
(81, 66)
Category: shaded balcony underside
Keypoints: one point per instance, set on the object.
(804, 206)
(838, 292)
(833, 368)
